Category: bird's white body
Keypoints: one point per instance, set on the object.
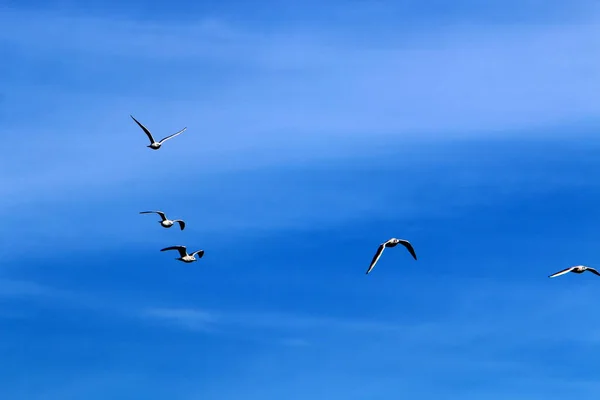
(187, 259)
(155, 145)
(167, 223)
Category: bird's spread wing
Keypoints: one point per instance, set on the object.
(376, 257)
(409, 247)
(162, 214)
(181, 249)
(564, 271)
(181, 223)
(199, 252)
(173, 135)
(144, 129)
(593, 271)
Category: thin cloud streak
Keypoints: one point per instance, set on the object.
(466, 323)
(196, 320)
(263, 320)
(208, 321)
(15, 289)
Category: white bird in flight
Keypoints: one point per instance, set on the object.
(393, 242)
(578, 269)
(154, 145)
(165, 222)
(184, 256)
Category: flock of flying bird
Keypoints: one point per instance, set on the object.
(164, 221)
(393, 242)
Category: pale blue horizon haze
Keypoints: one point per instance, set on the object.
(315, 131)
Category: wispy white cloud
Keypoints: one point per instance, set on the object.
(204, 320)
(10, 288)
(52, 32)
(196, 320)
(288, 97)
(467, 80)
(464, 78)
(475, 315)
(66, 299)
(295, 342)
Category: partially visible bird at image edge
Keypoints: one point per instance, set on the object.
(578, 269)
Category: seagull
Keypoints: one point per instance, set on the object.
(167, 223)
(154, 145)
(185, 257)
(578, 269)
(391, 243)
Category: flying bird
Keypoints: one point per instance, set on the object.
(393, 242)
(154, 145)
(167, 223)
(184, 256)
(578, 269)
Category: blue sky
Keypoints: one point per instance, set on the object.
(315, 132)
